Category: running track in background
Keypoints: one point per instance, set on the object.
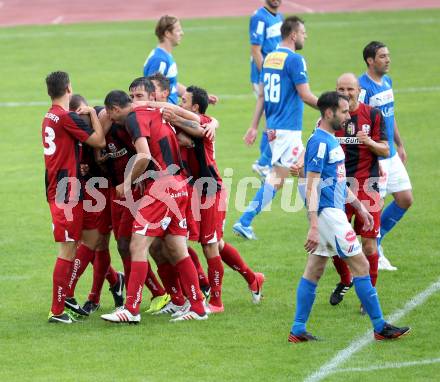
(31, 12)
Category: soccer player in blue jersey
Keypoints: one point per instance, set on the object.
(330, 232)
(283, 90)
(377, 91)
(170, 33)
(264, 37)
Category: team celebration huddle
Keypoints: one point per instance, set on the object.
(143, 166)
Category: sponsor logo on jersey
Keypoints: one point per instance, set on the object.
(336, 155)
(366, 129)
(275, 60)
(351, 128)
(274, 30)
(350, 236)
(382, 98)
(348, 140)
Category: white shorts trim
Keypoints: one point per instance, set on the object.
(336, 235)
(286, 146)
(395, 177)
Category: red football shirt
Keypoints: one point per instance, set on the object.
(360, 162)
(62, 131)
(161, 136)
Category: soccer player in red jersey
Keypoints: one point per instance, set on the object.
(161, 211)
(95, 237)
(363, 140)
(213, 203)
(62, 131)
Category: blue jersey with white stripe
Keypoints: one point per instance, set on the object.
(380, 96)
(159, 60)
(325, 156)
(282, 70)
(264, 31)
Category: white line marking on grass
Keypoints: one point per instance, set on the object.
(57, 20)
(427, 89)
(390, 365)
(13, 277)
(331, 366)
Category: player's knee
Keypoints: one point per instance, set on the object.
(369, 247)
(359, 265)
(405, 200)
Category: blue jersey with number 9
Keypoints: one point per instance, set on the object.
(283, 69)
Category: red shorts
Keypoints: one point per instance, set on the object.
(193, 215)
(371, 200)
(67, 223)
(121, 216)
(104, 223)
(163, 216)
(212, 218)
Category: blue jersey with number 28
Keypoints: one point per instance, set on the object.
(283, 69)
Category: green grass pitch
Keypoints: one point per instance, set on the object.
(247, 342)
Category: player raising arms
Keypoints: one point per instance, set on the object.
(377, 92)
(363, 140)
(329, 229)
(162, 211)
(61, 133)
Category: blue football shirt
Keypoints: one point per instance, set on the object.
(380, 96)
(324, 155)
(282, 70)
(161, 61)
(264, 31)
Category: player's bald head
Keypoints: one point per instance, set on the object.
(349, 79)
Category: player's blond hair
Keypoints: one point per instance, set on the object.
(166, 23)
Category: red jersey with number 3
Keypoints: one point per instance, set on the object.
(62, 132)
(164, 147)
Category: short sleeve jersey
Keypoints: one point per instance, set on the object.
(324, 155)
(282, 70)
(164, 147)
(380, 96)
(161, 61)
(265, 30)
(62, 131)
(360, 162)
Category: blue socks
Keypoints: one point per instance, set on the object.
(390, 217)
(370, 301)
(265, 151)
(305, 297)
(262, 198)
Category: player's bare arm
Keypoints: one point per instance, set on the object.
(313, 179)
(97, 138)
(192, 128)
(252, 132)
(210, 128)
(105, 120)
(306, 95)
(399, 143)
(257, 56)
(380, 148)
(142, 160)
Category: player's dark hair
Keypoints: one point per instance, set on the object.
(143, 83)
(165, 24)
(289, 25)
(57, 83)
(371, 49)
(199, 97)
(117, 98)
(330, 100)
(76, 101)
(164, 83)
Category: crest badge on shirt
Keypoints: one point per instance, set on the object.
(366, 129)
(351, 128)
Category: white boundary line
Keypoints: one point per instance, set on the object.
(426, 89)
(331, 366)
(390, 365)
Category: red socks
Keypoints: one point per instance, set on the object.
(153, 284)
(61, 276)
(215, 274)
(342, 269)
(84, 255)
(374, 263)
(170, 280)
(190, 284)
(232, 258)
(101, 264)
(203, 279)
(138, 274)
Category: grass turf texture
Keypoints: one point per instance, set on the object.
(246, 342)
